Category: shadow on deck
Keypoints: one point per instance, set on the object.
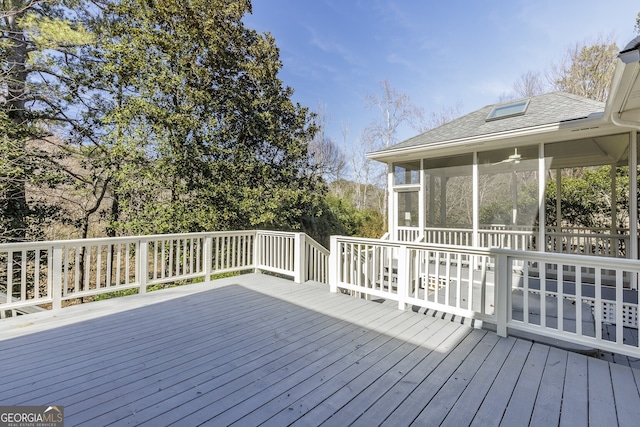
(255, 349)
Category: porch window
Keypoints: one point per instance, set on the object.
(406, 173)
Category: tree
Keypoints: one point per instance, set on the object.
(396, 109)
(586, 198)
(587, 69)
(530, 84)
(224, 145)
(445, 115)
(40, 41)
(326, 156)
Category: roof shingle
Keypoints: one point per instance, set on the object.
(555, 107)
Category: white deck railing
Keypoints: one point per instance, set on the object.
(449, 236)
(437, 277)
(49, 273)
(597, 242)
(408, 234)
(565, 297)
(569, 297)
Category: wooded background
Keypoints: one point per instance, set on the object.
(122, 117)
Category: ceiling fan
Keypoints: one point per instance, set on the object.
(513, 158)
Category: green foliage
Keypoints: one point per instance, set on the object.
(171, 115)
(586, 199)
(53, 33)
(339, 216)
(498, 206)
(225, 147)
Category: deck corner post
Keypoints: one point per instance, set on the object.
(207, 257)
(501, 293)
(56, 277)
(257, 253)
(333, 264)
(403, 277)
(299, 257)
(143, 266)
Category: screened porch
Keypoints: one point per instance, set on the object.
(499, 197)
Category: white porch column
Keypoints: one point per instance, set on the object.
(422, 212)
(614, 200)
(541, 200)
(633, 196)
(391, 205)
(558, 200)
(514, 199)
(476, 199)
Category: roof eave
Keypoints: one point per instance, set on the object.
(593, 124)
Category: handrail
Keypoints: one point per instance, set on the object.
(52, 272)
(316, 258)
(563, 296)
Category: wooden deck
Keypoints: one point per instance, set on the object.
(255, 349)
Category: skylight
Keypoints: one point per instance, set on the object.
(508, 110)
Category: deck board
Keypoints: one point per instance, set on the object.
(363, 371)
(495, 402)
(546, 411)
(575, 401)
(440, 405)
(522, 400)
(468, 403)
(347, 405)
(258, 349)
(602, 409)
(428, 386)
(626, 396)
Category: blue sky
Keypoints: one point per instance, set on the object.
(440, 53)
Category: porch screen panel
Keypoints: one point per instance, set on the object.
(587, 196)
(408, 209)
(508, 197)
(448, 192)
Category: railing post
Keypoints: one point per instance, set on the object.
(207, 257)
(333, 264)
(404, 266)
(143, 265)
(257, 252)
(299, 258)
(502, 287)
(56, 277)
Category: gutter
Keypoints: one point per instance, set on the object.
(630, 57)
